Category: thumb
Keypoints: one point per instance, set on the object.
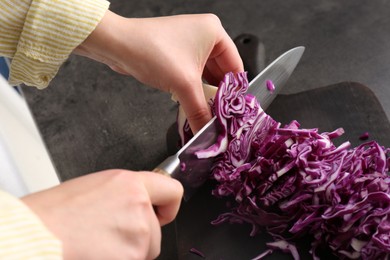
(165, 195)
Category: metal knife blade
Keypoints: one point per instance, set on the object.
(193, 172)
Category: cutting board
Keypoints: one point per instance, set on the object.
(349, 105)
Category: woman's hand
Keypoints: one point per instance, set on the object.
(171, 53)
(114, 214)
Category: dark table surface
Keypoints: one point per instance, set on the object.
(92, 118)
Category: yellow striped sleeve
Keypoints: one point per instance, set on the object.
(22, 234)
(12, 16)
(50, 31)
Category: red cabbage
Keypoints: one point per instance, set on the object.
(295, 182)
(270, 86)
(364, 136)
(197, 252)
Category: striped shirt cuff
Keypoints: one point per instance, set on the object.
(52, 30)
(22, 234)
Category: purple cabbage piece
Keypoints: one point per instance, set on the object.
(364, 136)
(270, 86)
(295, 182)
(197, 252)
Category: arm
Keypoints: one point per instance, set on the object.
(169, 53)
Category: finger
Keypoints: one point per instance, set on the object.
(155, 237)
(226, 57)
(213, 73)
(165, 194)
(194, 104)
(209, 77)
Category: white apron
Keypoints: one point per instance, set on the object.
(25, 165)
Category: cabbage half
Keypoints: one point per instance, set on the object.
(295, 182)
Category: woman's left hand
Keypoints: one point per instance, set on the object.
(172, 53)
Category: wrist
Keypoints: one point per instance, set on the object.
(104, 43)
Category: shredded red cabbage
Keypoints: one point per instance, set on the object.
(197, 252)
(295, 182)
(364, 136)
(270, 86)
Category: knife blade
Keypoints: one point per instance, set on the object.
(193, 172)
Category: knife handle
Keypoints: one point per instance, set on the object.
(168, 166)
(161, 171)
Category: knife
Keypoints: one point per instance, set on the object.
(193, 172)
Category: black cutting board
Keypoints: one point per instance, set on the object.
(349, 105)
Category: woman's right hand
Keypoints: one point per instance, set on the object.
(113, 214)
